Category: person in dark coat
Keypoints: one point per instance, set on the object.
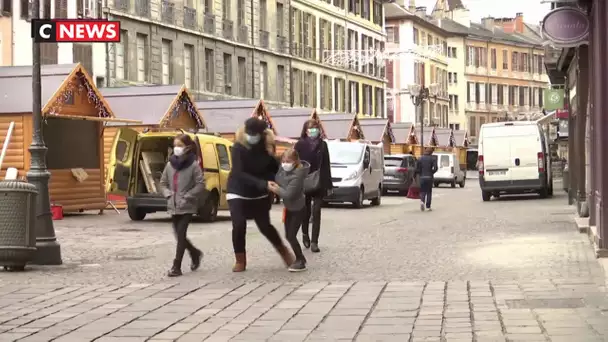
(425, 169)
(254, 167)
(312, 149)
(183, 185)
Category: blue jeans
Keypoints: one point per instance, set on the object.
(426, 191)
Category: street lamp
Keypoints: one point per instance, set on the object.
(48, 251)
(419, 93)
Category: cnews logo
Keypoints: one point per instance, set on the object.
(83, 31)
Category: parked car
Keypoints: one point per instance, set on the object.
(356, 170)
(514, 158)
(131, 174)
(448, 170)
(398, 172)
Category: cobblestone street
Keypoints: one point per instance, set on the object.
(468, 271)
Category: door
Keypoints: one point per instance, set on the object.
(121, 160)
(224, 172)
(496, 152)
(524, 157)
(211, 167)
(445, 166)
(366, 178)
(377, 166)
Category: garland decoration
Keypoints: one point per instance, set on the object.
(74, 86)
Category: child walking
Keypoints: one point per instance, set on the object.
(290, 187)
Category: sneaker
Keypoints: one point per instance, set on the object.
(174, 272)
(421, 206)
(298, 266)
(314, 247)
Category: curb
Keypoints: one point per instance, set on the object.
(582, 224)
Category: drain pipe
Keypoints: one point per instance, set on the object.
(252, 52)
(290, 49)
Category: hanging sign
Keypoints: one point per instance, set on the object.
(553, 99)
(566, 27)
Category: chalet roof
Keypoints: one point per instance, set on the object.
(149, 104)
(460, 136)
(443, 136)
(401, 132)
(16, 87)
(289, 121)
(226, 116)
(374, 128)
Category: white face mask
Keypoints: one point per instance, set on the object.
(287, 166)
(252, 139)
(178, 150)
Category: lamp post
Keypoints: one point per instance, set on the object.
(418, 94)
(48, 251)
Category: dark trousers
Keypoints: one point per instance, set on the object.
(180, 228)
(293, 221)
(259, 211)
(426, 191)
(313, 207)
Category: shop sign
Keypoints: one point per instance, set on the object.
(561, 114)
(553, 99)
(562, 128)
(566, 27)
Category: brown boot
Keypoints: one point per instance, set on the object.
(241, 262)
(286, 255)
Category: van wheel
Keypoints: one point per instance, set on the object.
(462, 183)
(208, 213)
(359, 202)
(485, 196)
(376, 201)
(136, 214)
(543, 193)
(550, 192)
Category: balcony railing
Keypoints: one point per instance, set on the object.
(228, 29)
(264, 39)
(282, 44)
(209, 24)
(122, 5)
(243, 36)
(190, 18)
(167, 13)
(142, 8)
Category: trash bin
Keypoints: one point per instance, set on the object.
(566, 178)
(17, 224)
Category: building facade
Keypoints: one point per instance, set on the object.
(419, 52)
(278, 50)
(504, 77)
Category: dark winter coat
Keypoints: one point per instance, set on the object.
(426, 166)
(318, 159)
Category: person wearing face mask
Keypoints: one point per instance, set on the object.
(290, 187)
(182, 183)
(312, 149)
(254, 167)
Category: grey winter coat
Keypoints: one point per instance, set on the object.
(291, 186)
(188, 194)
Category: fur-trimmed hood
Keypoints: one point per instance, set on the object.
(269, 140)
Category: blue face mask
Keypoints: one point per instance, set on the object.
(252, 139)
(313, 132)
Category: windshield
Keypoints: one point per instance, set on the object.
(391, 162)
(345, 153)
(444, 161)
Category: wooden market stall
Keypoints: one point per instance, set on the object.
(402, 132)
(226, 116)
(379, 130)
(73, 115)
(342, 126)
(154, 106)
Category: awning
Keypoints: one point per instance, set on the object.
(547, 118)
(90, 118)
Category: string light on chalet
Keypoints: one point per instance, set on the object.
(184, 102)
(452, 139)
(77, 86)
(390, 133)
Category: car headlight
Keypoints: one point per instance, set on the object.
(352, 176)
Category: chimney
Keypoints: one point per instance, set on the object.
(519, 22)
(488, 23)
(421, 11)
(412, 6)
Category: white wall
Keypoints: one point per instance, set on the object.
(406, 71)
(457, 65)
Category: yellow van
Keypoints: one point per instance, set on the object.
(138, 159)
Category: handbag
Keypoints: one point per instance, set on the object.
(312, 182)
(413, 192)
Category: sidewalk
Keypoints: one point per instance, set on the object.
(557, 310)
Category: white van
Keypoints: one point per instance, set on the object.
(513, 159)
(448, 170)
(357, 170)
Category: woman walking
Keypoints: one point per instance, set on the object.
(312, 149)
(183, 185)
(425, 169)
(290, 186)
(253, 169)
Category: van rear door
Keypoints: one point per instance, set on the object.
(524, 155)
(118, 175)
(496, 157)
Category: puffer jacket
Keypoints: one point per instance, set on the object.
(291, 186)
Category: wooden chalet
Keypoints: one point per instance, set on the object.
(74, 112)
(154, 106)
(290, 121)
(402, 133)
(226, 116)
(378, 130)
(342, 126)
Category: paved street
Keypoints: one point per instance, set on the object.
(515, 269)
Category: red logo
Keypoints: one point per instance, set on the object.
(82, 31)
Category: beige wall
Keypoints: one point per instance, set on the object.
(6, 41)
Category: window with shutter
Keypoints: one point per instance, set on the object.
(120, 56)
(166, 61)
(189, 66)
(281, 83)
(141, 57)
